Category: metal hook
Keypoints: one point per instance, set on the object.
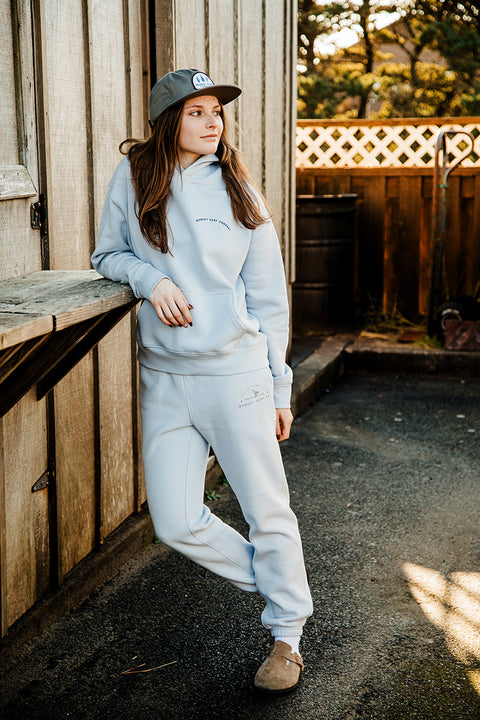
(439, 210)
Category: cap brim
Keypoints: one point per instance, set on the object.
(225, 93)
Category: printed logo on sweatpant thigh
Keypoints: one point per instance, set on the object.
(253, 395)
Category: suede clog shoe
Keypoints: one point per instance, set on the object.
(280, 672)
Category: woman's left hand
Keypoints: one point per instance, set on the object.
(284, 422)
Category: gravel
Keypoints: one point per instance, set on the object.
(385, 480)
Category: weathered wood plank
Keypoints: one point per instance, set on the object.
(108, 94)
(137, 68)
(8, 116)
(189, 35)
(116, 440)
(452, 248)
(275, 137)
(16, 329)
(112, 42)
(252, 101)
(390, 234)
(305, 184)
(290, 109)
(407, 252)
(75, 465)
(26, 87)
(464, 250)
(425, 249)
(221, 41)
(15, 182)
(12, 359)
(26, 524)
(165, 37)
(370, 251)
(66, 161)
(20, 250)
(70, 297)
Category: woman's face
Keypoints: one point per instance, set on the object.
(201, 126)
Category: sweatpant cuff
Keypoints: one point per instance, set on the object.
(287, 631)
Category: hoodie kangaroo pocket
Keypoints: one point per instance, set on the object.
(215, 326)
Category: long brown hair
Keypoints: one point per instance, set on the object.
(153, 162)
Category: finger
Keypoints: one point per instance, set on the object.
(278, 429)
(183, 305)
(287, 424)
(184, 309)
(177, 314)
(161, 315)
(169, 313)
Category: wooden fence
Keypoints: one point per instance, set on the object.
(389, 165)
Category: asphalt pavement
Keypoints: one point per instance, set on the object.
(384, 474)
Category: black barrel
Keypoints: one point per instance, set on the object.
(325, 260)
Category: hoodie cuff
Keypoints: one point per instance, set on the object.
(145, 280)
(282, 394)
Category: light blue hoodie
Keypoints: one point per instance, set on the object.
(233, 277)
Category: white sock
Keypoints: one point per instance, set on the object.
(292, 641)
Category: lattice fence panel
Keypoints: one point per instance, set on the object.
(385, 145)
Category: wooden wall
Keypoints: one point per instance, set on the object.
(94, 63)
(394, 207)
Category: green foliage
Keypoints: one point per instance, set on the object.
(376, 321)
(425, 64)
(429, 343)
(211, 494)
(432, 95)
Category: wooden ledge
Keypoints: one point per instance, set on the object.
(49, 320)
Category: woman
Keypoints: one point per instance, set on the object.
(183, 225)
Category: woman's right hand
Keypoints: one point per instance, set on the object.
(171, 305)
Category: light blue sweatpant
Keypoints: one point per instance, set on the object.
(182, 416)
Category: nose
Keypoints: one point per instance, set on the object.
(212, 120)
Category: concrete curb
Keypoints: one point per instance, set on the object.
(380, 356)
(319, 372)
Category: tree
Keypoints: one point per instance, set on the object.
(348, 73)
(453, 28)
(343, 85)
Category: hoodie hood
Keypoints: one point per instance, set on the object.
(206, 168)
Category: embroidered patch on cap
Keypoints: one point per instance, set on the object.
(200, 81)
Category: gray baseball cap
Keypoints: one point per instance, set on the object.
(180, 85)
